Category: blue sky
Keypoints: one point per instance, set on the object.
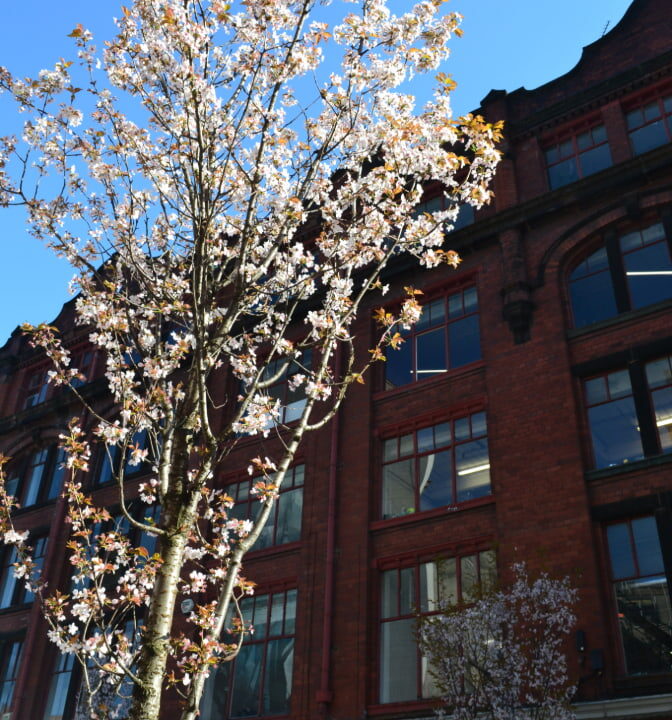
(507, 45)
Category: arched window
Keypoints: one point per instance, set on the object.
(630, 270)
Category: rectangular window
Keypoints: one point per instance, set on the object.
(259, 681)
(446, 336)
(10, 660)
(284, 523)
(577, 156)
(641, 595)
(424, 588)
(435, 466)
(627, 425)
(650, 124)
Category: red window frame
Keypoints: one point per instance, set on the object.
(463, 308)
(223, 680)
(559, 149)
(638, 574)
(247, 504)
(417, 605)
(414, 444)
(637, 117)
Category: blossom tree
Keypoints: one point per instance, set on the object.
(502, 658)
(227, 203)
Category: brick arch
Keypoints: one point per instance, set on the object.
(564, 248)
(26, 442)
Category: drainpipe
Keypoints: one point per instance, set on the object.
(325, 694)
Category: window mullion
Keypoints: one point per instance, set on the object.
(644, 410)
(663, 517)
(617, 270)
(667, 226)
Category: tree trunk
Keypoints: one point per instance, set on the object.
(179, 515)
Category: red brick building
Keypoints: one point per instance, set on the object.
(527, 417)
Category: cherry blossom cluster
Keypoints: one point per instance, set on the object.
(503, 657)
(223, 221)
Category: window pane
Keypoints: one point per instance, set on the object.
(596, 390)
(464, 340)
(647, 546)
(8, 581)
(563, 173)
(57, 475)
(435, 481)
(473, 470)
(398, 494)
(260, 618)
(619, 384)
(290, 505)
(478, 424)
(390, 594)
(34, 477)
(425, 439)
(592, 299)
(429, 587)
(662, 403)
(9, 671)
(470, 300)
(406, 591)
(594, 160)
(59, 687)
(277, 611)
(468, 577)
(390, 449)
(659, 373)
(215, 693)
(613, 428)
(648, 137)
(442, 435)
(431, 353)
(488, 565)
(398, 661)
(646, 625)
(406, 445)
(290, 612)
(462, 429)
(620, 551)
(645, 287)
(278, 676)
(245, 700)
(447, 580)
